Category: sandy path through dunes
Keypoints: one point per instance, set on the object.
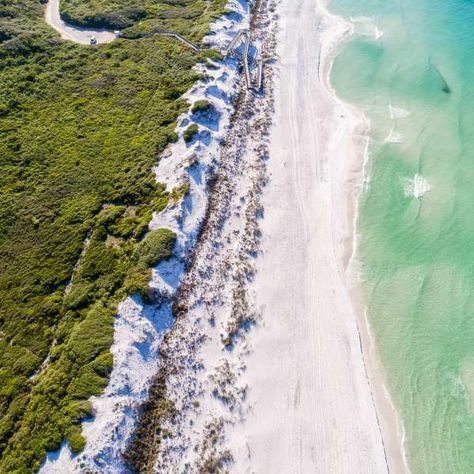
(312, 407)
(74, 33)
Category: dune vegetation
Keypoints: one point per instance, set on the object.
(125, 13)
(80, 130)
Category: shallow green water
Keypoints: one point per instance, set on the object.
(418, 253)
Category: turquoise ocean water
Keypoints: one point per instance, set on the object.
(410, 68)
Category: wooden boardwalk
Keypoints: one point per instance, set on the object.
(173, 34)
(249, 63)
(231, 48)
(248, 79)
(259, 76)
(181, 38)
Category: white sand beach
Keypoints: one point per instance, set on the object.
(313, 409)
(294, 393)
(312, 395)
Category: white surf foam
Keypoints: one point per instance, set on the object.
(367, 26)
(394, 137)
(415, 187)
(398, 112)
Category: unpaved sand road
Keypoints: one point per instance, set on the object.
(312, 406)
(74, 33)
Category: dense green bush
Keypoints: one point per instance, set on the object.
(80, 130)
(113, 20)
(190, 132)
(120, 14)
(201, 106)
(156, 246)
(211, 54)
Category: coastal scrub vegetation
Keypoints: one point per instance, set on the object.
(201, 106)
(121, 14)
(80, 130)
(190, 132)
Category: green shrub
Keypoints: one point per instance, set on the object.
(179, 192)
(155, 247)
(161, 199)
(99, 260)
(86, 383)
(79, 410)
(173, 137)
(75, 439)
(81, 294)
(211, 54)
(110, 215)
(190, 132)
(137, 281)
(103, 364)
(110, 15)
(201, 106)
(125, 227)
(92, 336)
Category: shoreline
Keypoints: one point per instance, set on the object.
(389, 419)
(337, 185)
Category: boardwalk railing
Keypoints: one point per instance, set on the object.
(181, 38)
(234, 49)
(246, 63)
(173, 34)
(234, 43)
(259, 76)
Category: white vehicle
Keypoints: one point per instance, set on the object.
(93, 40)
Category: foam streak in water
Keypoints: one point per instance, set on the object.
(398, 112)
(394, 137)
(416, 187)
